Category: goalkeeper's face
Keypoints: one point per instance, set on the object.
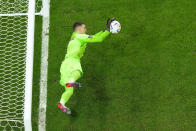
(82, 29)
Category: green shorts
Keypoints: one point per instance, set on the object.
(67, 67)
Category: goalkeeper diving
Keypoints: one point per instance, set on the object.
(71, 69)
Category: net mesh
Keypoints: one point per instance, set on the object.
(17, 6)
(38, 5)
(13, 38)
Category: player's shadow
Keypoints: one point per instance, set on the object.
(93, 98)
(74, 114)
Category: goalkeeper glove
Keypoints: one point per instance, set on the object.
(109, 21)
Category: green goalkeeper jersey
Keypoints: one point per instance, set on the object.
(78, 42)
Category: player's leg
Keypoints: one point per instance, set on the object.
(71, 71)
(75, 75)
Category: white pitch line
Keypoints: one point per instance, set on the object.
(44, 65)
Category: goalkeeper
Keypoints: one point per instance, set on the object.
(71, 69)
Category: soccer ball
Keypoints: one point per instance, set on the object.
(115, 27)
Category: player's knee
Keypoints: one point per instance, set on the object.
(76, 74)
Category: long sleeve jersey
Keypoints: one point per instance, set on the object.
(78, 43)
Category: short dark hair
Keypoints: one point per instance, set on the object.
(76, 24)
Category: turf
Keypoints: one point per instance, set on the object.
(140, 79)
(36, 72)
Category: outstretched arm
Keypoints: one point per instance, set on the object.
(97, 34)
(99, 37)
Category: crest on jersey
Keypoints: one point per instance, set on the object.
(90, 36)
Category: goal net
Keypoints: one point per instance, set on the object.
(13, 54)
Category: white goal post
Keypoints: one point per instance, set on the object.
(17, 20)
(29, 66)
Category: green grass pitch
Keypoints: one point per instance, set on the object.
(142, 79)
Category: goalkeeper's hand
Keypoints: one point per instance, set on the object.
(109, 21)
